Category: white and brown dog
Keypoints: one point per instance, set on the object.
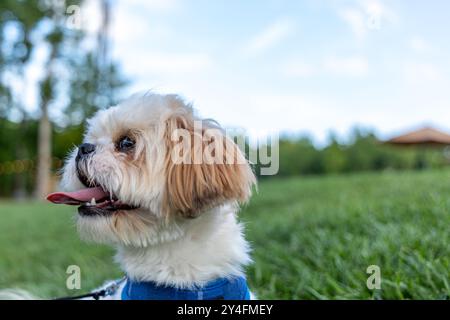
(164, 188)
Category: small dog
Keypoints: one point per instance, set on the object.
(164, 188)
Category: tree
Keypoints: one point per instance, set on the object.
(15, 54)
(92, 86)
(55, 40)
(77, 81)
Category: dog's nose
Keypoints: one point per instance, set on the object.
(85, 149)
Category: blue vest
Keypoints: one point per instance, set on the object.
(220, 289)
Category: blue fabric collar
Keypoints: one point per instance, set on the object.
(220, 289)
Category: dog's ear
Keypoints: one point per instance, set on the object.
(204, 167)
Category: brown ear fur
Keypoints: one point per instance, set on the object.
(193, 187)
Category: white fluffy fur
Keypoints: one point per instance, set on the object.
(176, 251)
(212, 246)
(151, 244)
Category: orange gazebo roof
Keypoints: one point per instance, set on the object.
(424, 136)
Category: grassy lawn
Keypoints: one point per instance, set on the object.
(313, 238)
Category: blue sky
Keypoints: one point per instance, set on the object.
(291, 65)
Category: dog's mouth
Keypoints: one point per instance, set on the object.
(91, 201)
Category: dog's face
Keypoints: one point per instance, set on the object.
(144, 170)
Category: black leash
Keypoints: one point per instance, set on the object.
(96, 295)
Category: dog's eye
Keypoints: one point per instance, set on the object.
(125, 144)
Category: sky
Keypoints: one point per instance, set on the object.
(299, 66)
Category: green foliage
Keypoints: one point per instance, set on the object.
(298, 157)
(364, 152)
(63, 141)
(93, 87)
(77, 82)
(312, 238)
(67, 139)
(12, 136)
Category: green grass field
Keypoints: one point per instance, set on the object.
(313, 238)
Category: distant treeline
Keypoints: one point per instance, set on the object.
(362, 152)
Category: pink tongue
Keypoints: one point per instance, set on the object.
(78, 197)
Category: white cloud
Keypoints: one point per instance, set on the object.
(155, 5)
(129, 28)
(356, 20)
(352, 66)
(419, 72)
(378, 10)
(91, 17)
(130, 23)
(298, 69)
(341, 66)
(420, 45)
(168, 63)
(367, 15)
(270, 36)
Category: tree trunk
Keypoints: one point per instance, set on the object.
(20, 179)
(43, 177)
(44, 154)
